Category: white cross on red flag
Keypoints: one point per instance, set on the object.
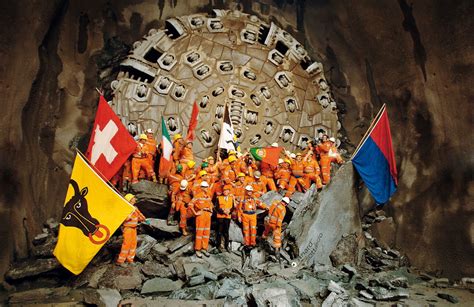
(110, 144)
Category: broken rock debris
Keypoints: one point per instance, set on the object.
(327, 260)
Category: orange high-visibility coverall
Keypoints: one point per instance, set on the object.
(129, 229)
(178, 145)
(297, 172)
(247, 210)
(181, 199)
(201, 202)
(151, 148)
(283, 175)
(311, 174)
(268, 171)
(259, 186)
(276, 214)
(229, 175)
(174, 181)
(186, 156)
(328, 154)
(140, 160)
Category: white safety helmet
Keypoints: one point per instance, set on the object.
(183, 184)
(286, 200)
(280, 161)
(149, 130)
(331, 139)
(292, 155)
(274, 144)
(204, 184)
(248, 188)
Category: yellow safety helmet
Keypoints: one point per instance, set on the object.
(143, 136)
(129, 197)
(191, 164)
(177, 136)
(287, 161)
(202, 173)
(232, 159)
(210, 158)
(241, 175)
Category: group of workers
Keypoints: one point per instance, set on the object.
(228, 188)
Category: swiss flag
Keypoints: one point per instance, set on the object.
(110, 144)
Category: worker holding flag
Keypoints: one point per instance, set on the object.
(129, 230)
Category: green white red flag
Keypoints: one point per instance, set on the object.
(166, 160)
(268, 155)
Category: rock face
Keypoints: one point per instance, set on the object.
(319, 223)
(60, 49)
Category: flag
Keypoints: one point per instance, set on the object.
(91, 214)
(110, 144)
(166, 160)
(193, 123)
(226, 139)
(268, 155)
(375, 160)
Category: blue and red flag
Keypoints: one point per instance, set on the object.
(375, 161)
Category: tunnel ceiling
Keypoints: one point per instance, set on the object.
(274, 91)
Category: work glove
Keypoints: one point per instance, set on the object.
(147, 222)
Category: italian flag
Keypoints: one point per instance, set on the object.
(268, 155)
(166, 161)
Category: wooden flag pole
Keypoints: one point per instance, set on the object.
(367, 133)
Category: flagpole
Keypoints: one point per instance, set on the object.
(369, 130)
(218, 148)
(97, 171)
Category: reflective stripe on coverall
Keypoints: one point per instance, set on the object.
(129, 229)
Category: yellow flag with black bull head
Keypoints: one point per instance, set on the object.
(91, 214)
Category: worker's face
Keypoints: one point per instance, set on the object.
(298, 158)
(249, 193)
(210, 161)
(226, 192)
(325, 138)
(242, 179)
(133, 201)
(189, 145)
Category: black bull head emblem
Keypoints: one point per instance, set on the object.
(76, 214)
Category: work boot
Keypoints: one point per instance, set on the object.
(205, 252)
(184, 231)
(154, 179)
(198, 254)
(121, 264)
(170, 219)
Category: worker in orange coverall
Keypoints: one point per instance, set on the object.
(328, 153)
(247, 215)
(178, 145)
(180, 201)
(129, 230)
(140, 160)
(201, 206)
(259, 184)
(297, 170)
(152, 146)
(174, 178)
(311, 172)
(283, 176)
(273, 222)
(238, 190)
(225, 204)
(186, 154)
(229, 172)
